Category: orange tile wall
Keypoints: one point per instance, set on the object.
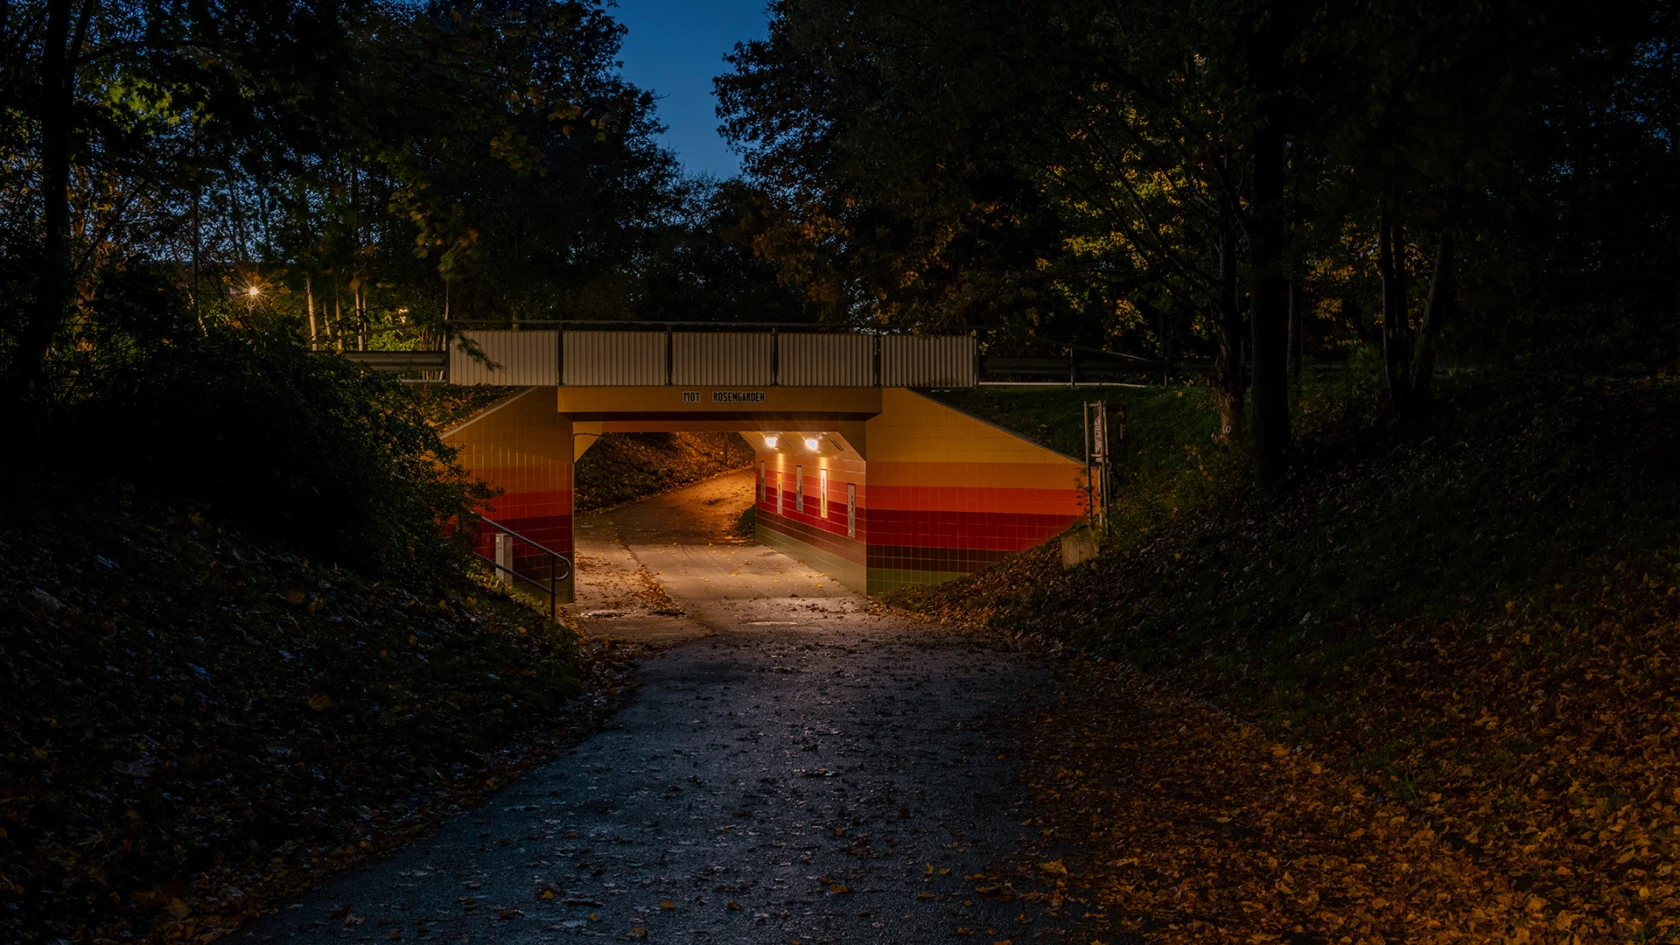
(523, 448)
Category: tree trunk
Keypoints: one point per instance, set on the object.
(309, 298)
(1297, 328)
(356, 257)
(1268, 250)
(1442, 292)
(1227, 361)
(1270, 317)
(54, 288)
(1391, 266)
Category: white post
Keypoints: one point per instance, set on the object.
(504, 556)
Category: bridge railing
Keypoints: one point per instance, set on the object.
(547, 354)
(579, 358)
(520, 561)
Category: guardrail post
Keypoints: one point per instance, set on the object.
(504, 557)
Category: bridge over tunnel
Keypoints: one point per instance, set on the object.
(875, 483)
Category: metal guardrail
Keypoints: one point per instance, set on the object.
(396, 362)
(576, 324)
(1080, 365)
(559, 567)
(1082, 368)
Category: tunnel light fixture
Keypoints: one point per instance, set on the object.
(771, 439)
(813, 442)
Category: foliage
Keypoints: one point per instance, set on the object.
(445, 405)
(1169, 462)
(353, 174)
(193, 714)
(1470, 618)
(1198, 828)
(1250, 182)
(311, 451)
(625, 467)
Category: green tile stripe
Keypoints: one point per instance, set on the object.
(849, 573)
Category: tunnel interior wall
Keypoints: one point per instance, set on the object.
(792, 517)
(522, 447)
(941, 494)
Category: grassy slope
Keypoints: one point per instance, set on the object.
(1475, 616)
(447, 405)
(193, 712)
(1168, 462)
(189, 709)
(625, 467)
(619, 467)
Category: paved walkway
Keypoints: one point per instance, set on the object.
(793, 768)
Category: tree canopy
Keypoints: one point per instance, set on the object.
(1228, 178)
(353, 171)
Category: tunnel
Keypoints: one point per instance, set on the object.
(880, 486)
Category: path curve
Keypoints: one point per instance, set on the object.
(793, 768)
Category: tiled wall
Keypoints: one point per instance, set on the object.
(951, 494)
(941, 494)
(523, 447)
(820, 540)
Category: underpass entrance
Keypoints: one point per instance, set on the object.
(877, 486)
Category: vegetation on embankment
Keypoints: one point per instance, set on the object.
(626, 467)
(445, 405)
(246, 648)
(618, 467)
(1474, 615)
(1168, 460)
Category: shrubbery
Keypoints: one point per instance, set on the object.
(308, 450)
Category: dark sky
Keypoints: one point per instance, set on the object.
(673, 49)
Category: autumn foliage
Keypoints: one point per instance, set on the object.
(1454, 644)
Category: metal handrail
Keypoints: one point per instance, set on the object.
(555, 559)
(540, 324)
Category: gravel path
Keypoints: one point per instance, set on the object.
(793, 768)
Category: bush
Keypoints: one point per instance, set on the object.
(309, 450)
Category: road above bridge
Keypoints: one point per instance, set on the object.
(794, 767)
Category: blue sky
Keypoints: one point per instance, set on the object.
(674, 49)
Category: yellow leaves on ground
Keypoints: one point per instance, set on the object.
(1215, 833)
